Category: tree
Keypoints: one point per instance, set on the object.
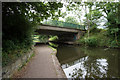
(92, 19)
(112, 10)
(71, 20)
(75, 8)
(80, 7)
(20, 18)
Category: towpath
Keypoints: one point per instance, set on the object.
(42, 65)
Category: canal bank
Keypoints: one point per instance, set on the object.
(43, 65)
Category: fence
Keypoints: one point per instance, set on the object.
(64, 24)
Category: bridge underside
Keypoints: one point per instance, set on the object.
(62, 35)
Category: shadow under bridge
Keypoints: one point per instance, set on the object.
(64, 34)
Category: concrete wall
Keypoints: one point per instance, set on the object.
(8, 71)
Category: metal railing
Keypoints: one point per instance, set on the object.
(63, 24)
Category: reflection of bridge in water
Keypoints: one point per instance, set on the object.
(65, 32)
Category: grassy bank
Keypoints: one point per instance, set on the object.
(99, 37)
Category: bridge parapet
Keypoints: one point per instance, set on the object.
(64, 24)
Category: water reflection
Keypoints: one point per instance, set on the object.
(80, 62)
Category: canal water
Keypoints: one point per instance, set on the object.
(88, 62)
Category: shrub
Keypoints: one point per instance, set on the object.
(95, 30)
(113, 44)
(81, 41)
(91, 41)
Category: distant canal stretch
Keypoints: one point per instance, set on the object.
(81, 62)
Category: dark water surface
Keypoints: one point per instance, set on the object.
(81, 62)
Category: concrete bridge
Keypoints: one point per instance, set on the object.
(64, 34)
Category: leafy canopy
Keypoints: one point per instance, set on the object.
(20, 19)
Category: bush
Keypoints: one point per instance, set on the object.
(91, 41)
(95, 30)
(8, 45)
(99, 38)
(81, 41)
(13, 49)
(113, 44)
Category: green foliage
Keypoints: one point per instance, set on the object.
(5, 59)
(114, 30)
(43, 38)
(13, 50)
(112, 10)
(95, 30)
(103, 39)
(53, 45)
(75, 8)
(113, 44)
(92, 18)
(12, 56)
(91, 41)
(71, 20)
(110, 37)
(99, 38)
(54, 38)
(35, 38)
(19, 20)
(95, 13)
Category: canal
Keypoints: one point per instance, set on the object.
(89, 62)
